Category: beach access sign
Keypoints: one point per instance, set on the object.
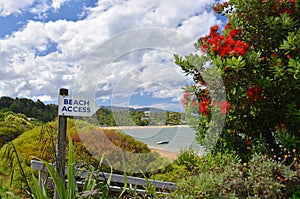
(76, 106)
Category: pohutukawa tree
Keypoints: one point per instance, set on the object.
(257, 55)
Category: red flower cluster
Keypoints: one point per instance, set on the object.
(284, 7)
(225, 107)
(223, 46)
(189, 99)
(185, 99)
(255, 93)
(204, 104)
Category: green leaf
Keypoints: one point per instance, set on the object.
(58, 182)
(36, 192)
(71, 170)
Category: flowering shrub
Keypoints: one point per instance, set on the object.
(257, 56)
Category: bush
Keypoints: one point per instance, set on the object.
(225, 176)
(256, 56)
(12, 126)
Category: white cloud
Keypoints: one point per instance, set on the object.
(39, 7)
(8, 7)
(57, 3)
(44, 98)
(27, 69)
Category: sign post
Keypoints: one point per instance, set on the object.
(61, 142)
(69, 106)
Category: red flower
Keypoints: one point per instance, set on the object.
(218, 40)
(204, 106)
(254, 93)
(285, 11)
(229, 41)
(227, 26)
(241, 44)
(184, 100)
(248, 142)
(225, 107)
(233, 33)
(214, 31)
(220, 7)
(225, 51)
(237, 51)
(204, 48)
(194, 103)
(215, 103)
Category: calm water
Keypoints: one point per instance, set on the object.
(178, 137)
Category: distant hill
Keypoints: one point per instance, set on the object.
(118, 108)
(150, 109)
(31, 109)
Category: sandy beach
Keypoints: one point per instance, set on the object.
(164, 153)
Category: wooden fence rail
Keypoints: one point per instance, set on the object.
(117, 180)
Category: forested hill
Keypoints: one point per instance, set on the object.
(38, 110)
(106, 115)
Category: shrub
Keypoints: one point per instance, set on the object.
(225, 176)
(12, 126)
(256, 56)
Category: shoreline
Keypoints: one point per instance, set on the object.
(143, 127)
(171, 155)
(165, 153)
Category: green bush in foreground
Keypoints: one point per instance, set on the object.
(226, 176)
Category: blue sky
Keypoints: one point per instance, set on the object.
(49, 44)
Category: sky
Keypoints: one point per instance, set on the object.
(118, 52)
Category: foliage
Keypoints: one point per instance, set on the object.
(12, 126)
(4, 114)
(26, 146)
(173, 118)
(5, 193)
(29, 108)
(226, 176)
(105, 117)
(257, 57)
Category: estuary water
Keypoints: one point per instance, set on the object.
(176, 138)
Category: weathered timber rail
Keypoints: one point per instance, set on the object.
(117, 180)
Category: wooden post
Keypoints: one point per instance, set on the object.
(61, 142)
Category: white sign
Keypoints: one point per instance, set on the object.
(76, 106)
